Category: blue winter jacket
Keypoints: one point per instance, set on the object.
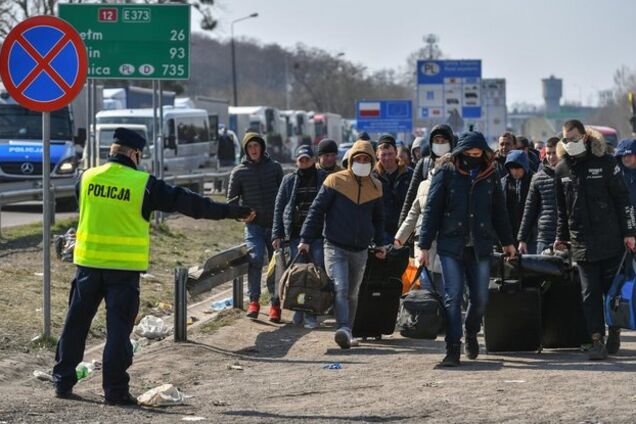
(461, 209)
(627, 147)
(286, 202)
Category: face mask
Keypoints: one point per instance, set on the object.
(574, 149)
(470, 162)
(441, 149)
(361, 169)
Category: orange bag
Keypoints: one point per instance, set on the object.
(408, 276)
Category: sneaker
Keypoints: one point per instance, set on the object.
(598, 351)
(613, 342)
(452, 356)
(125, 399)
(343, 338)
(354, 342)
(274, 313)
(471, 348)
(253, 309)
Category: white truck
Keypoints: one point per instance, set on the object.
(299, 130)
(264, 120)
(327, 125)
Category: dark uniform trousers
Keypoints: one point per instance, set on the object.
(120, 290)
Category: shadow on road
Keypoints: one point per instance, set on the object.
(360, 418)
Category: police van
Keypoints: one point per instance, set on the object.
(188, 141)
(21, 144)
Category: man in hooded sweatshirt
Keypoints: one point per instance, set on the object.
(463, 213)
(515, 187)
(254, 184)
(349, 213)
(441, 141)
(626, 155)
(595, 219)
(416, 149)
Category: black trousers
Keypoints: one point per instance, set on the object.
(120, 290)
(596, 279)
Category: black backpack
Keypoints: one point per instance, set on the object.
(422, 314)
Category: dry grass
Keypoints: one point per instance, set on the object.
(180, 241)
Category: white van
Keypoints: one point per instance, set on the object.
(188, 143)
(105, 135)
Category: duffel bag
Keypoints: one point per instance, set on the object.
(306, 287)
(620, 302)
(422, 314)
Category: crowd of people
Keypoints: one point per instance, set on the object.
(457, 201)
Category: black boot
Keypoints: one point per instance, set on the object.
(452, 355)
(472, 347)
(613, 342)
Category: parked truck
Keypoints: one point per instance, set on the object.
(218, 111)
(132, 97)
(328, 125)
(264, 120)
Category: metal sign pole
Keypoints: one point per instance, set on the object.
(46, 221)
(87, 144)
(160, 139)
(155, 131)
(92, 123)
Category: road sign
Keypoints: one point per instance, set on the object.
(139, 41)
(377, 116)
(445, 86)
(43, 63)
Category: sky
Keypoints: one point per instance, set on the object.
(583, 41)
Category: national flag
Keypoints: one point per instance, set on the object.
(369, 109)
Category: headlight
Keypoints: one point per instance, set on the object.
(67, 166)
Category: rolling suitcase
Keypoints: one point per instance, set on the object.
(512, 322)
(562, 317)
(380, 293)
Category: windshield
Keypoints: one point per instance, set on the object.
(321, 129)
(123, 120)
(17, 122)
(106, 136)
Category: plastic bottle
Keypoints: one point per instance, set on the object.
(81, 371)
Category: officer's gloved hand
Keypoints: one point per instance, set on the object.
(238, 212)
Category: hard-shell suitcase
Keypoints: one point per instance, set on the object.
(562, 317)
(512, 322)
(380, 292)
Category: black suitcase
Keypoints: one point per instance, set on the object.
(562, 316)
(512, 322)
(380, 293)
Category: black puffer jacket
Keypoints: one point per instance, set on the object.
(256, 184)
(541, 209)
(594, 209)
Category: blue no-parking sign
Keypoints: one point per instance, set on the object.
(43, 63)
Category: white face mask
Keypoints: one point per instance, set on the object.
(574, 149)
(441, 149)
(361, 169)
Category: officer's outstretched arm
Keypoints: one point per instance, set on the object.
(160, 196)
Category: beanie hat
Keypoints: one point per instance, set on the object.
(387, 139)
(327, 145)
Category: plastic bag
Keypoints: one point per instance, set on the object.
(164, 395)
(65, 245)
(152, 328)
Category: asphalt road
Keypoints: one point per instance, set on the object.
(26, 213)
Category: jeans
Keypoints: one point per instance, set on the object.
(596, 279)
(475, 273)
(346, 269)
(120, 291)
(259, 241)
(317, 257)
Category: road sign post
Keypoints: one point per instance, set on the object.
(43, 66)
(133, 41)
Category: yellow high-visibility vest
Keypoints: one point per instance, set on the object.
(112, 233)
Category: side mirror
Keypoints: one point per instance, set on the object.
(172, 142)
(80, 138)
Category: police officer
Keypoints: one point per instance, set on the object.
(112, 248)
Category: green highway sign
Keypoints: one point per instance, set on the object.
(133, 41)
